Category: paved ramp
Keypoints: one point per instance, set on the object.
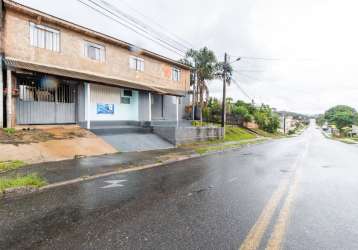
(136, 142)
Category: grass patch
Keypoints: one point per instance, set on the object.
(267, 134)
(214, 148)
(204, 124)
(10, 165)
(9, 131)
(237, 134)
(31, 180)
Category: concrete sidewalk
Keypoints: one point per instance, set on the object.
(61, 172)
(54, 172)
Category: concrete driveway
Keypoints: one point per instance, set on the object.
(136, 142)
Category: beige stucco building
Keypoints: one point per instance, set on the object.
(57, 72)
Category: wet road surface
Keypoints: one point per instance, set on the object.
(297, 193)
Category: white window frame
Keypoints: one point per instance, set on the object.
(102, 51)
(176, 77)
(45, 37)
(136, 63)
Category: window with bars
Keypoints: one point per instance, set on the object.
(175, 74)
(44, 37)
(136, 63)
(94, 51)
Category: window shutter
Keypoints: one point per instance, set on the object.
(141, 65)
(41, 38)
(102, 54)
(132, 63)
(33, 35)
(56, 42)
(85, 49)
(49, 40)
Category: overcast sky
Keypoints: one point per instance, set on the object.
(313, 43)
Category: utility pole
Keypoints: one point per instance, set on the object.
(194, 95)
(223, 112)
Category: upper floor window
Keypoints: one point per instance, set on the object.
(95, 51)
(175, 74)
(44, 37)
(136, 63)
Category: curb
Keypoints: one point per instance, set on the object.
(8, 193)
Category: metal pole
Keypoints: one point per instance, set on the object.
(149, 106)
(223, 112)
(88, 105)
(194, 97)
(9, 99)
(1, 66)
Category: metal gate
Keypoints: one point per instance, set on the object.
(45, 100)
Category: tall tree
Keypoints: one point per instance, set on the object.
(342, 116)
(204, 64)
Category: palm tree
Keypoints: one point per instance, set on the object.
(205, 65)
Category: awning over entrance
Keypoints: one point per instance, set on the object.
(59, 71)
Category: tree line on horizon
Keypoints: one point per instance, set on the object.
(342, 116)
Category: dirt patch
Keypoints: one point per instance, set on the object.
(44, 144)
(34, 135)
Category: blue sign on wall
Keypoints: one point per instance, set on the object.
(106, 109)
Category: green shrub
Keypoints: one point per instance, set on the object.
(196, 123)
(9, 131)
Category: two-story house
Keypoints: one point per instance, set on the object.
(57, 72)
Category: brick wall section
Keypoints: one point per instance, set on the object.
(71, 55)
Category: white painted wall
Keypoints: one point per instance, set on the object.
(112, 95)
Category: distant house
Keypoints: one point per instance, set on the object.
(354, 130)
(57, 72)
(286, 123)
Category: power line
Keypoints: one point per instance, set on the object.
(274, 58)
(250, 77)
(244, 70)
(136, 24)
(159, 25)
(261, 58)
(241, 89)
(175, 50)
(143, 26)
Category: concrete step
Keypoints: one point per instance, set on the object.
(136, 142)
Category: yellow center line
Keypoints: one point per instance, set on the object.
(280, 227)
(254, 237)
(281, 224)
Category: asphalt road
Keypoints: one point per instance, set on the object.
(297, 193)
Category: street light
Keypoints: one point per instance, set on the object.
(223, 111)
(237, 59)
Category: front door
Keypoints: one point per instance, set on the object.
(157, 107)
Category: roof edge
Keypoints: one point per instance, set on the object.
(86, 76)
